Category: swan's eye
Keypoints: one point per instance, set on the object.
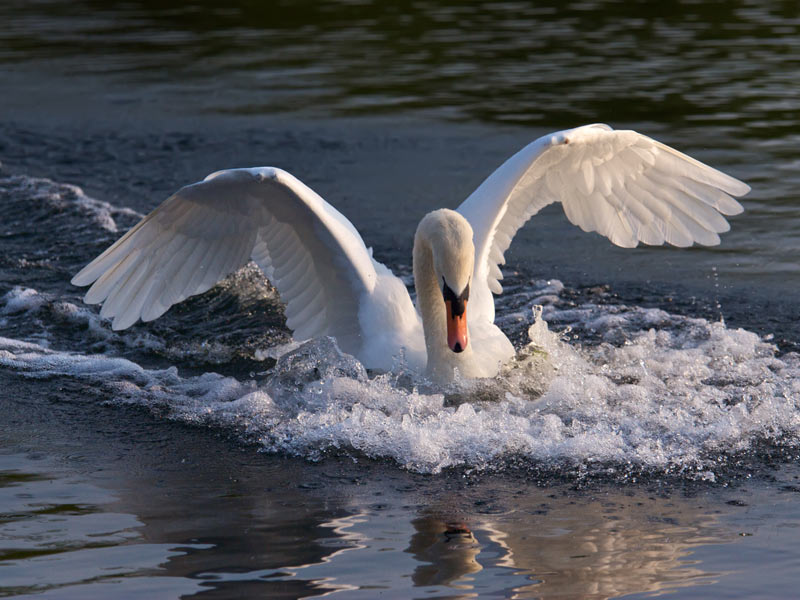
(458, 303)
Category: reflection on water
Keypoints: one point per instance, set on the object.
(565, 547)
(584, 548)
(448, 552)
(610, 548)
(60, 536)
(283, 539)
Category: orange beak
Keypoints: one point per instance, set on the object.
(457, 337)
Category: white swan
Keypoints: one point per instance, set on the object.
(621, 184)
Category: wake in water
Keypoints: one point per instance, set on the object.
(595, 387)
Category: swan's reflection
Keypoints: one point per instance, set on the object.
(574, 549)
(586, 554)
(447, 552)
(323, 536)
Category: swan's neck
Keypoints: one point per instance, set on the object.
(441, 359)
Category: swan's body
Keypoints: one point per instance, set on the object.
(621, 184)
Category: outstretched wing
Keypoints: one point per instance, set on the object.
(308, 250)
(622, 184)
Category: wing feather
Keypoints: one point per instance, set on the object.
(133, 307)
(621, 184)
(117, 298)
(311, 253)
(187, 262)
(108, 279)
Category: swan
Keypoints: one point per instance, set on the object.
(619, 183)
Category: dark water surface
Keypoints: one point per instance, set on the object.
(662, 456)
(550, 64)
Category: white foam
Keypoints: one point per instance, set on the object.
(675, 399)
(275, 352)
(43, 310)
(60, 195)
(30, 304)
(20, 299)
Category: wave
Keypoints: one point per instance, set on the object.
(64, 196)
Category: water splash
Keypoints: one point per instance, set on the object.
(674, 399)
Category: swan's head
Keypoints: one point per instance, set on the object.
(449, 236)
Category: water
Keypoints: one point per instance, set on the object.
(646, 441)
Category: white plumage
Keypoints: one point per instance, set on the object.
(620, 184)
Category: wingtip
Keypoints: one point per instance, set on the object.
(736, 209)
(625, 242)
(123, 321)
(80, 279)
(742, 189)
